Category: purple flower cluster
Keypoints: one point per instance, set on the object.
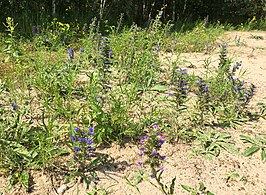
(70, 52)
(179, 88)
(202, 88)
(223, 56)
(151, 145)
(14, 106)
(82, 141)
(104, 63)
(236, 67)
(241, 91)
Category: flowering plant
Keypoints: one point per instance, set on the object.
(82, 143)
(151, 145)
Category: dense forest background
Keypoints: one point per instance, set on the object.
(31, 12)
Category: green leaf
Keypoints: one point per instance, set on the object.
(172, 186)
(133, 185)
(209, 193)
(160, 174)
(263, 154)
(7, 59)
(251, 150)
(202, 187)
(159, 88)
(25, 179)
(228, 147)
(188, 189)
(248, 139)
(232, 176)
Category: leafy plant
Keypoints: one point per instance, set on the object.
(138, 177)
(202, 190)
(211, 143)
(152, 143)
(12, 48)
(258, 144)
(234, 176)
(19, 151)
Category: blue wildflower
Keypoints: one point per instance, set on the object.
(89, 142)
(73, 138)
(14, 106)
(76, 129)
(77, 149)
(91, 131)
(70, 52)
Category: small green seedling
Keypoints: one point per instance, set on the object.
(236, 177)
(202, 190)
(138, 177)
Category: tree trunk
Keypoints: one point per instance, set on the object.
(174, 11)
(53, 7)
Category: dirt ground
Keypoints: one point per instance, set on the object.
(247, 47)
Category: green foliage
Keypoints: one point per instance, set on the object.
(30, 13)
(200, 38)
(202, 190)
(211, 143)
(25, 145)
(138, 177)
(11, 43)
(258, 144)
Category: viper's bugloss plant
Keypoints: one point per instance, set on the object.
(70, 52)
(179, 87)
(204, 101)
(223, 56)
(151, 145)
(82, 142)
(103, 63)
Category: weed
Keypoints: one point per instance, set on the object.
(258, 143)
(202, 190)
(211, 143)
(12, 48)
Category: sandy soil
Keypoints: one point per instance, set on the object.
(191, 171)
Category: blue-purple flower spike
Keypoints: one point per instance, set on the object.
(70, 52)
(77, 149)
(89, 142)
(76, 129)
(14, 106)
(91, 131)
(73, 138)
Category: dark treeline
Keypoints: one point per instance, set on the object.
(34, 12)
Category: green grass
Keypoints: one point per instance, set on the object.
(60, 80)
